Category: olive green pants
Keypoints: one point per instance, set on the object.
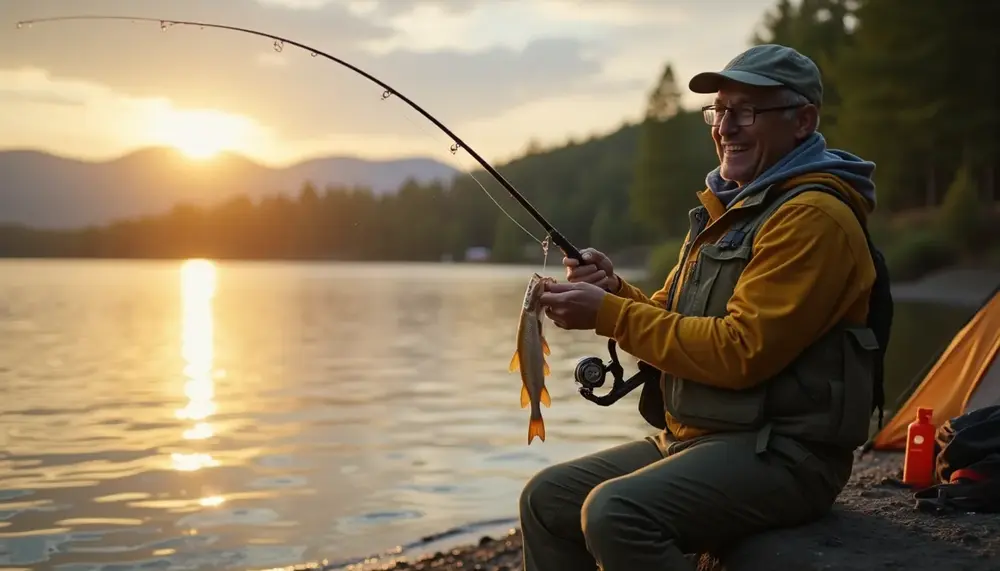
(642, 505)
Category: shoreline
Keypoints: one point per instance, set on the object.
(955, 542)
(874, 524)
(969, 287)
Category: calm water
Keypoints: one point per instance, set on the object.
(247, 415)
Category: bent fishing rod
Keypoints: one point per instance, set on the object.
(590, 372)
(554, 234)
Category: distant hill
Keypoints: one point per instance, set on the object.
(48, 191)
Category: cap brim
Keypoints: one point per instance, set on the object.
(712, 81)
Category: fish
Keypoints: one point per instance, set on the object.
(529, 356)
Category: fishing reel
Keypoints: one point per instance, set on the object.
(591, 372)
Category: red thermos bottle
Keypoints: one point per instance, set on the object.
(918, 464)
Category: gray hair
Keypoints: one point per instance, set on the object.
(789, 97)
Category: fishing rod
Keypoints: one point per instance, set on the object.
(554, 234)
(590, 372)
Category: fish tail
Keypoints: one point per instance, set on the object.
(536, 427)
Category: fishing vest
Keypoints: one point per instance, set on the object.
(824, 395)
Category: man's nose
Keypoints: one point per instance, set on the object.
(728, 125)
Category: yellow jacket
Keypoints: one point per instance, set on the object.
(810, 269)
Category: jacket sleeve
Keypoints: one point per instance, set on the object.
(630, 292)
(803, 277)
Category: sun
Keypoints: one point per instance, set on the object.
(199, 148)
(200, 133)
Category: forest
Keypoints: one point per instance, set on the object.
(912, 86)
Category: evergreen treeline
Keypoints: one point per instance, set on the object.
(910, 85)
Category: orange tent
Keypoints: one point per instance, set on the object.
(966, 377)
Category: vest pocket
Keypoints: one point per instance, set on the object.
(826, 394)
(714, 408)
(715, 265)
(855, 386)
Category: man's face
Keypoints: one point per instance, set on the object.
(745, 151)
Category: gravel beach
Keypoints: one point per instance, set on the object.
(874, 525)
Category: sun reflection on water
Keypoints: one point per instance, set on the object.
(198, 278)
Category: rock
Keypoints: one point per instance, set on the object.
(856, 536)
(873, 526)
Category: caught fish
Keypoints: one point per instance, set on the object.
(529, 356)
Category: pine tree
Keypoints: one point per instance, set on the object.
(665, 98)
(674, 155)
(819, 29)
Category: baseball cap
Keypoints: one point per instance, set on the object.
(767, 65)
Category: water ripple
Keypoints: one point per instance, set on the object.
(251, 415)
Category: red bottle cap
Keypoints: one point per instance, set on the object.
(925, 414)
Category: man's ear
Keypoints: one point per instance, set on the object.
(807, 121)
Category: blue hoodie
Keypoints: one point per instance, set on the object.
(811, 156)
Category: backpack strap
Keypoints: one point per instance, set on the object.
(960, 496)
(752, 223)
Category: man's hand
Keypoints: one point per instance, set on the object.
(573, 306)
(597, 269)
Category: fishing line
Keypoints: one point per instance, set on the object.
(458, 143)
(453, 156)
(468, 171)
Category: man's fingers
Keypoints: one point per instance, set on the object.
(589, 255)
(584, 273)
(596, 277)
(556, 317)
(556, 297)
(556, 288)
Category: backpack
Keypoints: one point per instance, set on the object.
(967, 464)
(880, 309)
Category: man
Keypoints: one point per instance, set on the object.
(759, 332)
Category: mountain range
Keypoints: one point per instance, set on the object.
(47, 191)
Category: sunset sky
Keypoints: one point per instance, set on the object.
(498, 72)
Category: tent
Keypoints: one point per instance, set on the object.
(965, 377)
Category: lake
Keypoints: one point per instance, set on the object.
(238, 415)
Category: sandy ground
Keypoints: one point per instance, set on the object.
(874, 525)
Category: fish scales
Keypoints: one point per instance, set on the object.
(529, 356)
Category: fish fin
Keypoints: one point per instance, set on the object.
(545, 369)
(545, 347)
(514, 363)
(525, 397)
(536, 427)
(544, 398)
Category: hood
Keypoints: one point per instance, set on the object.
(810, 157)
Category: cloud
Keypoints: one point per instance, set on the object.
(14, 95)
(296, 4)
(302, 97)
(469, 62)
(86, 119)
(479, 83)
(271, 59)
(394, 7)
(65, 115)
(428, 26)
(622, 13)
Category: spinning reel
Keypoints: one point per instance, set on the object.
(591, 371)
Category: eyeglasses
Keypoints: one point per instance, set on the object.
(745, 115)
